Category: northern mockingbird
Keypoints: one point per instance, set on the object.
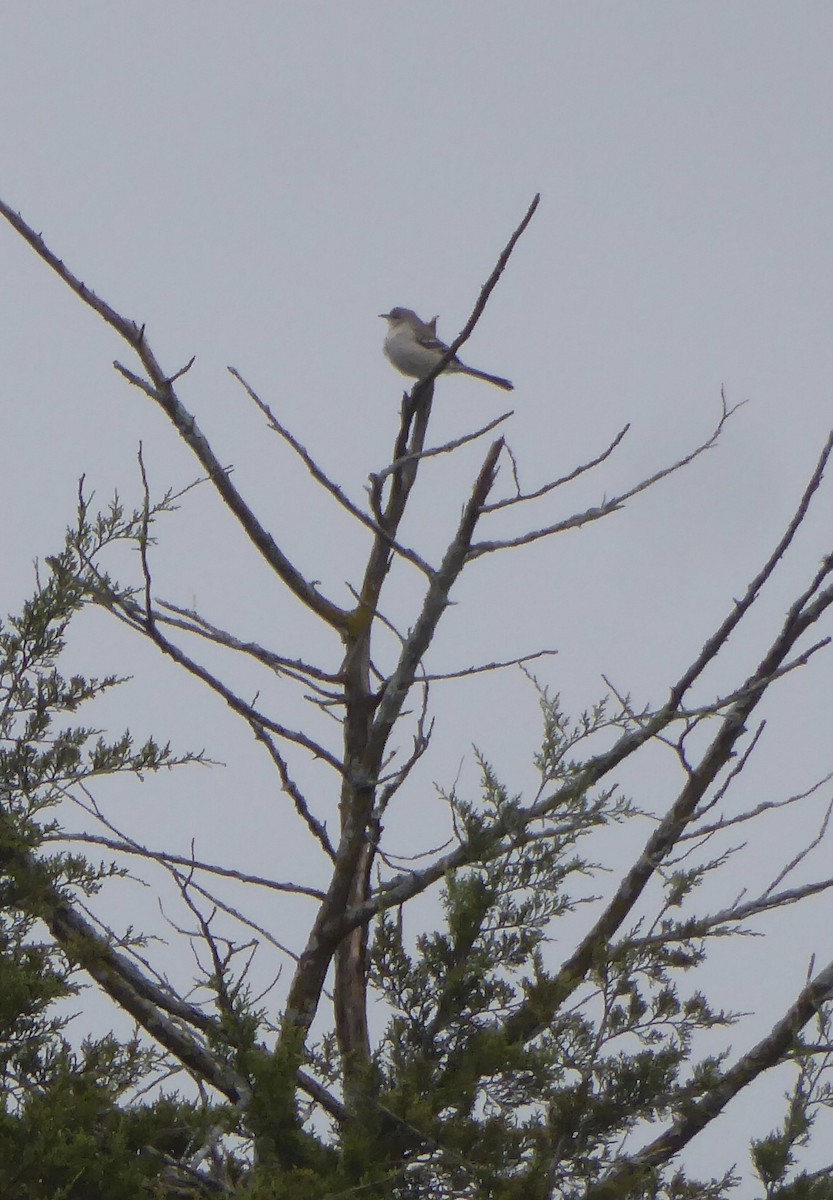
(413, 347)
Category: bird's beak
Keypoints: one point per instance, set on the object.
(384, 316)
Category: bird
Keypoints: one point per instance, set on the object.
(412, 346)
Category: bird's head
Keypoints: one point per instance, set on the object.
(399, 314)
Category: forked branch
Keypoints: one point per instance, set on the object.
(160, 388)
(771, 1050)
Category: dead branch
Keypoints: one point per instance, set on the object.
(799, 858)
(482, 299)
(435, 602)
(236, 914)
(378, 477)
(752, 813)
(721, 635)
(578, 520)
(329, 927)
(291, 788)
(193, 622)
(328, 484)
(162, 391)
(484, 668)
(421, 742)
(522, 497)
(131, 616)
(127, 846)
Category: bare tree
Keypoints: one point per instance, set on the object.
(504, 1070)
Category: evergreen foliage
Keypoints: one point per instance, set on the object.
(547, 1036)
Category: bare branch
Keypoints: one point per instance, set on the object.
(730, 778)
(752, 813)
(492, 666)
(152, 1006)
(485, 293)
(328, 484)
(130, 614)
(193, 622)
(143, 540)
(377, 615)
(435, 602)
(422, 739)
(129, 846)
(378, 477)
(183, 880)
(522, 497)
(329, 927)
(606, 507)
(742, 606)
(291, 788)
(802, 854)
(693, 716)
(162, 391)
(236, 914)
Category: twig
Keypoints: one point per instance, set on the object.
(129, 846)
(242, 918)
(328, 484)
(802, 854)
(485, 293)
(127, 612)
(485, 667)
(523, 497)
(741, 818)
(606, 507)
(295, 668)
(378, 477)
(162, 391)
(144, 537)
(302, 807)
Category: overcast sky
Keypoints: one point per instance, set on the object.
(256, 182)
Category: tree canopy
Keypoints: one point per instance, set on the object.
(462, 1047)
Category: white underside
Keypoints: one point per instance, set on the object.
(409, 357)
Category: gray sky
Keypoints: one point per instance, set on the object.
(256, 182)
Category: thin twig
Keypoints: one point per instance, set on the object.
(165, 856)
(485, 293)
(802, 854)
(194, 623)
(752, 813)
(161, 390)
(607, 506)
(328, 484)
(378, 477)
(291, 788)
(128, 614)
(486, 667)
(523, 497)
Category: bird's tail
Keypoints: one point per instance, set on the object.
(497, 380)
